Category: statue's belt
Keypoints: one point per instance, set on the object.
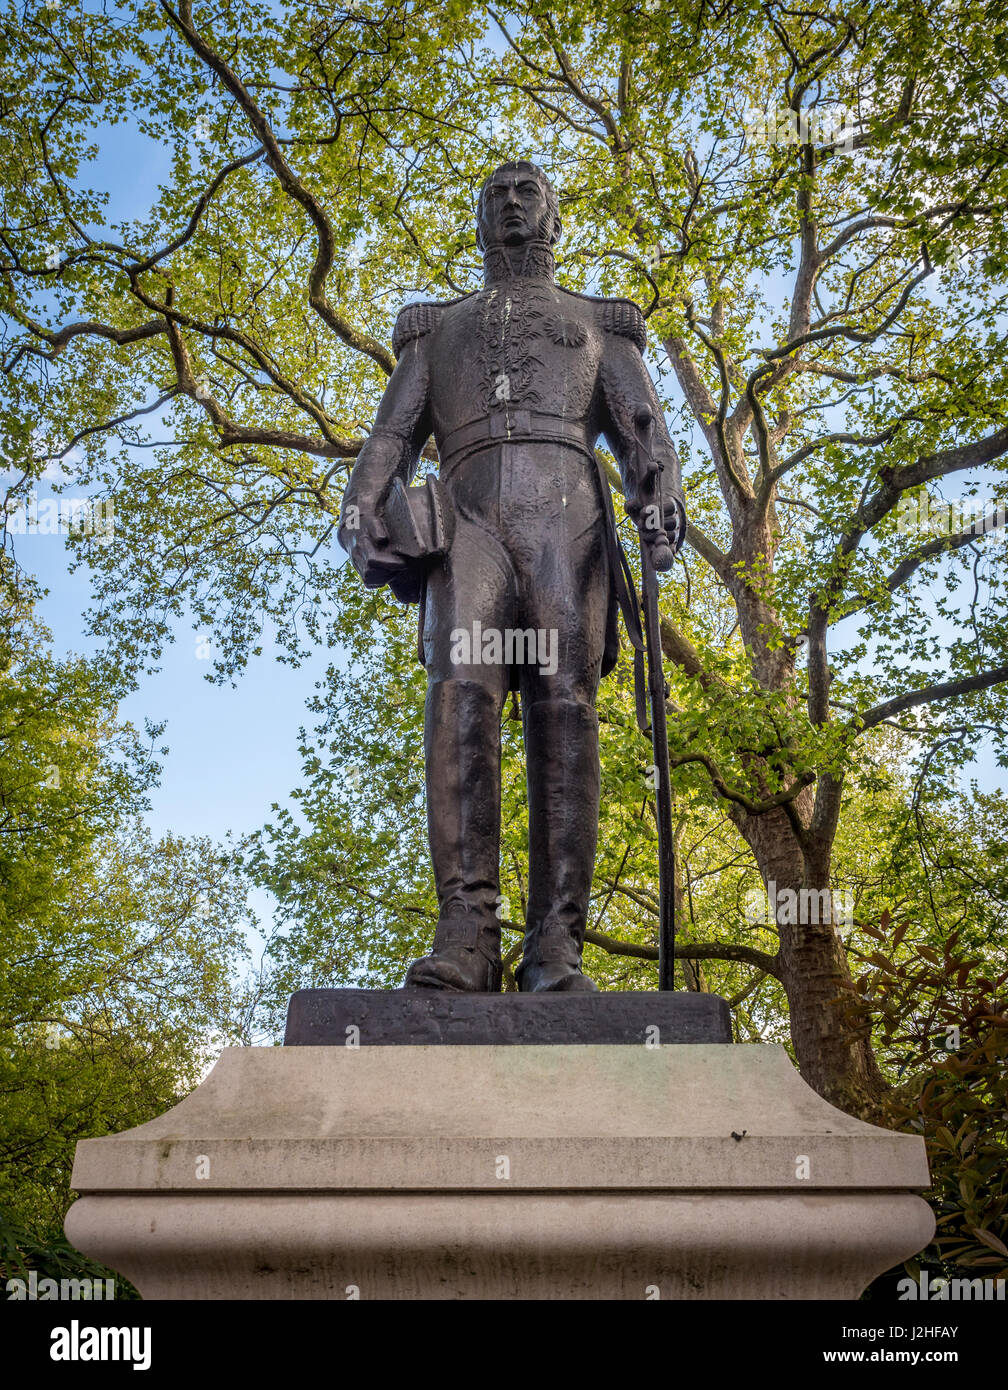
(510, 427)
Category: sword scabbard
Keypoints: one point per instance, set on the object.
(649, 470)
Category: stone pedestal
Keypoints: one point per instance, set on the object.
(682, 1171)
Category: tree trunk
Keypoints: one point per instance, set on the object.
(833, 1056)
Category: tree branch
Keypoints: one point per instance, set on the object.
(292, 186)
(931, 694)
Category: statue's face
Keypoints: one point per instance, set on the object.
(514, 209)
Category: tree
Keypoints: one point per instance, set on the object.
(810, 207)
(141, 986)
(119, 955)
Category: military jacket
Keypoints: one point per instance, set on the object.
(520, 361)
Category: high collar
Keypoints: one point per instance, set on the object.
(533, 261)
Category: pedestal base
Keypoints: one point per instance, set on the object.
(417, 1017)
(583, 1171)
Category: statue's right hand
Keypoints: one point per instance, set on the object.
(363, 536)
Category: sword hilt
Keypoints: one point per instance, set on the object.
(649, 471)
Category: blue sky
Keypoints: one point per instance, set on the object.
(233, 749)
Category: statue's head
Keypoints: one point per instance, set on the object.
(517, 204)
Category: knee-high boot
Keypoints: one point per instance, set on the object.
(462, 750)
(562, 770)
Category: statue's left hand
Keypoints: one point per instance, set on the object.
(663, 541)
(675, 523)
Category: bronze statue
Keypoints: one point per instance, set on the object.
(514, 558)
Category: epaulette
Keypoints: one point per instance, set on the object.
(415, 321)
(621, 316)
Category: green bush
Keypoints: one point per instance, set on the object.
(940, 1025)
(53, 1258)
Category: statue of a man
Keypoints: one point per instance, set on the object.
(516, 382)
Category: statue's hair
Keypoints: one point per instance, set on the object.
(552, 226)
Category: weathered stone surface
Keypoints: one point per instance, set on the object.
(587, 1171)
(422, 1016)
(503, 1245)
